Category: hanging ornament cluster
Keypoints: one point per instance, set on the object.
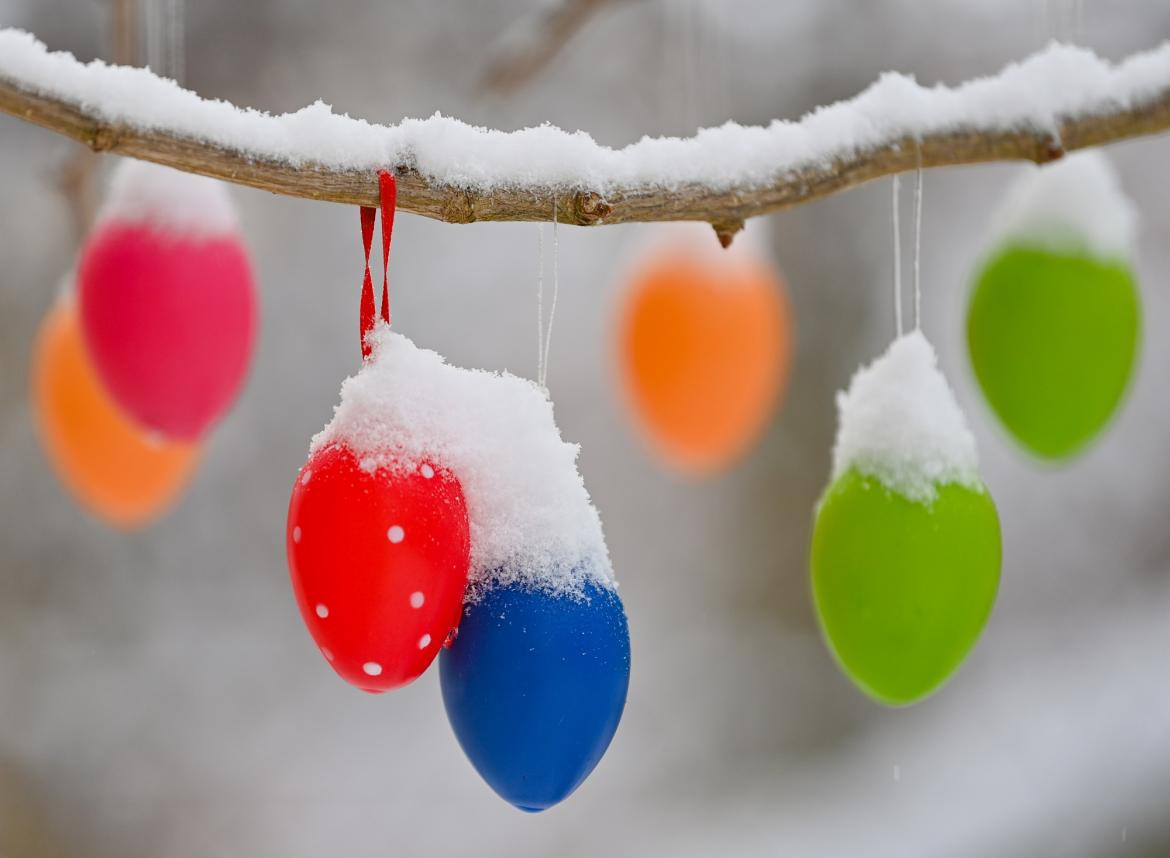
(1054, 318)
(441, 509)
(704, 346)
(131, 369)
(906, 544)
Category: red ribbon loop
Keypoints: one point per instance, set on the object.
(366, 311)
(388, 196)
(388, 189)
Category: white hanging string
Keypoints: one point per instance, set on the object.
(552, 311)
(540, 307)
(722, 91)
(543, 333)
(176, 40)
(150, 34)
(691, 45)
(918, 246)
(896, 188)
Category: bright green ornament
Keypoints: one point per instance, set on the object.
(1054, 319)
(905, 553)
(903, 588)
(1053, 339)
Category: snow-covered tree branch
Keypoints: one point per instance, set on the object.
(1060, 99)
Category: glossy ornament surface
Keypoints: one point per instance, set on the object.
(378, 555)
(534, 686)
(170, 323)
(1053, 338)
(903, 588)
(704, 347)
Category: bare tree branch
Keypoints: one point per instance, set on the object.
(724, 208)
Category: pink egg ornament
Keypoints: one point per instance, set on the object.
(168, 304)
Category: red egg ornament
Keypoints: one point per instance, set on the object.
(168, 306)
(378, 555)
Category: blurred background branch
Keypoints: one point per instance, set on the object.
(534, 39)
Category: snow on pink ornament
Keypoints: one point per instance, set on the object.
(168, 305)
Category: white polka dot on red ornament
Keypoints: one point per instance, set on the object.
(372, 668)
(427, 471)
(424, 641)
(417, 599)
(297, 534)
(395, 534)
(322, 611)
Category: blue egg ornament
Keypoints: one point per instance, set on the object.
(534, 686)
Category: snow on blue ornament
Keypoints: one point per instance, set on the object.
(534, 686)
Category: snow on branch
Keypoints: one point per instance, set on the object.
(1059, 99)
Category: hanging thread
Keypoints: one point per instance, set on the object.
(149, 34)
(918, 245)
(896, 188)
(552, 312)
(165, 35)
(176, 40)
(690, 53)
(540, 305)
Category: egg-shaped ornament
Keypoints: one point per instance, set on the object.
(168, 305)
(704, 346)
(906, 543)
(377, 533)
(535, 684)
(122, 473)
(534, 681)
(1054, 320)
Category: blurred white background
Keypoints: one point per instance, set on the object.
(159, 696)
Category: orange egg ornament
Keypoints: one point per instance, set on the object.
(115, 469)
(704, 349)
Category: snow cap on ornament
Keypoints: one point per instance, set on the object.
(906, 545)
(168, 305)
(531, 521)
(1072, 206)
(1055, 317)
(899, 423)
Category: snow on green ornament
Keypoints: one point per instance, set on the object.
(1054, 319)
(906, 545)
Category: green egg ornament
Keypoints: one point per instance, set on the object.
(1054, 320)
(906, 551)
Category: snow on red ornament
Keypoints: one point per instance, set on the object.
(378, 554)
(168, 306)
